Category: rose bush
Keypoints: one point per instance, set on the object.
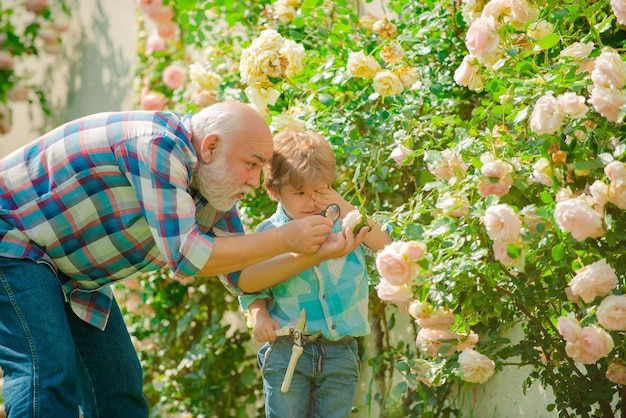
(489, 132)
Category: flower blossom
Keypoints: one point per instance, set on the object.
(407, 75)
(607, 101)
(400, 153)
(611, 313)
(400, 295)
(619, 10)
(609, 70)
(616, 372)
(394, 266)
(482, 39)
(502, 223)
(572, 104)
(385, 29)
(203, 77)
(468, 74)
(361, 65)
(440, 318)
(392, 53)
(569, 327)
(451, 165)
(433, 341)
(593, 280)
(577, 217)
(173, 76)
(547, 115)
(475, 367)
(386, 83)
(455, 206)
(592, 344)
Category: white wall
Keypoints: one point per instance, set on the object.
(92, 73)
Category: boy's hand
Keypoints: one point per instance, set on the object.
(265, 329)
(325, 197)
(304, 235)
(341, 244)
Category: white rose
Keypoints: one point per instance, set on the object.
(475, 367)
(468, 74)
(502, 223)
(386, 83)
(547, 116)
(609, 70)
(607, 102)
(294, 53)
(361, 65)
(592, 280)
(578, 50)
(578, 218)
(611, 313)
(572, 104)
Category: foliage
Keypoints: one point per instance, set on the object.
(489, 291)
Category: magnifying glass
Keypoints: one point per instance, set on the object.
(332, 212)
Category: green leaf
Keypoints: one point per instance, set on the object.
(558, 252)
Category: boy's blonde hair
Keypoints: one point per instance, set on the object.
(299, 157)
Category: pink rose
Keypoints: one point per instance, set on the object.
(615, 170)
(400, 153)
(400, 295)
(569, 327)
(611, 313)
(414, 250)
(468, 74)
(455, 206)
(433, 341)
(578, 218)
(616, 372)
(502, 223)
(616, 193)
(572, 104)
(153, 101)
(595, 279)
(155, 43)
(609, 70)
(6, 60)
(393, 267)
(36, 6)
(162, 14)
(419, 309)
(499, 188)
(547, 116)
(441, 318)
(475, 367)
(481, 38)
(173, 76)
(149, 6)
(593, 343)
(467, 341)
(167, 30)
(619, 10)
(607, 102)
(496, 169)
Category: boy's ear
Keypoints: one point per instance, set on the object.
(208, 147)
(273, 194)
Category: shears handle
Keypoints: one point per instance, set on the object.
(296, 352)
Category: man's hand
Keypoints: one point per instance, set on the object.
(305, 235)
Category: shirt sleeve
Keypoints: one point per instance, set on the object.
(159, 169)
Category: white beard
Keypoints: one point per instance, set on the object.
(217, 185)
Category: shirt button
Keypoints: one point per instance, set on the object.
(324, 297)
(333, 327)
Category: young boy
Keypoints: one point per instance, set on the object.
(333, 294)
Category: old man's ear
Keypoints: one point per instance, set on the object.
(208, 147)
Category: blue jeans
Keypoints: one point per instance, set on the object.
(323, 385)
(53, 362)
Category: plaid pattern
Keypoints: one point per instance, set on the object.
(107, 196)
(333, 293)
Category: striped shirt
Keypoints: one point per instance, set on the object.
(107, 196)
(334, 293)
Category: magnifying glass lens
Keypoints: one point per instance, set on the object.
(332, 211)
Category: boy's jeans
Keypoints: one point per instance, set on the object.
(53, 361)
(323, 385)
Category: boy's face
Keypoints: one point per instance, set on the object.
(297, 202)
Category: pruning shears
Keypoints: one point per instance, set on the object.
(296, 350)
